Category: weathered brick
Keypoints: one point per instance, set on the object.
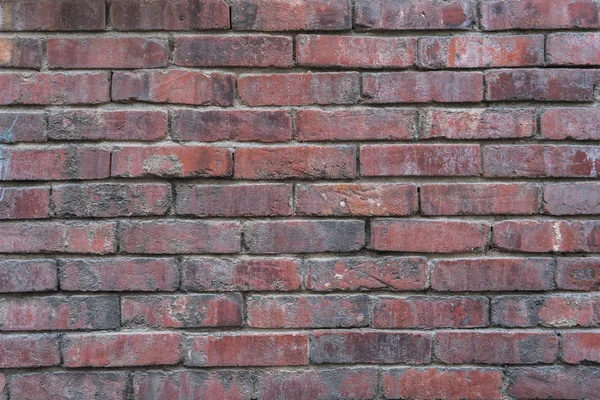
(171, 161)
(304, 236)
(110, 200)
(301, 162)
(373, 347)
(572, 198)
(283, 15)
(443, 383)
(174, 86)
(121, 349)
(578, 273)
(20, 53)
(119, 274)
(415, 15)
(581, 346)
(555, 382)
(493, 274)
(355, 51)
(428, 236)
(53, 15)
(255, 274)
(329, 311)
(69, 385)
(355, 124)
(426, 313)
(247, 349)
(18, 276)
(548, 236)
(496, 347)
(179, 237)
(253, 200)
(27, 351)
(575, 123)
(478, 123)
(389, 273)
(233, 51)
(119, 125)
(356, 199)
(573, 49)
(422, 87)
(107, 52)
(419, 160)
(21, 126)
(58, 237)
(127, 15)
(480, 199)
(182, 311)
(24, 203)
(265, 126)
(59, 313)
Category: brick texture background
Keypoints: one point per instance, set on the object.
(299, 199)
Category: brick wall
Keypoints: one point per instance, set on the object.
(299, 199)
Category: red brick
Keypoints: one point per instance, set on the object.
(548, 236)
(539, 14)
(233, 51)
(304, 236)
(302, 162)
(478, 124)
(389, 273)
(428, 236)
(493, 274)
(121, 349)
(27, 351)
(415, 15)
(443, 383)
(355, 51)
(24, 203)
(430, 312)
(27, 276)
(481, 52)
(539, 85)
(119, 274)
(355, 124)
(171, 161)
(578, 273)
(69, 385)
(55, 88)
(329, 311)
(574, 49)
(110, 200)
(206, 385)
(107, 125)
(20, 53)
(572, 198)
(172, 15)
(575, 123)
(581, 346)
(22, 127)
(496, 347)
(247, 349)
(255, 274)
(182, 311)
(541, 161)
(548, 311)
(174, 86)
(107, 52)
(480, 199)
(265, 126)
(419, 160)
(356, 199)
(58, 236)
(53, 15)
(60, 163)
(299, 89)
(59, 313)
(380, 347)
(330, 383)
(554, 382)
(423, 87)
(179, 237)
(284, 15)
(234, 200)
